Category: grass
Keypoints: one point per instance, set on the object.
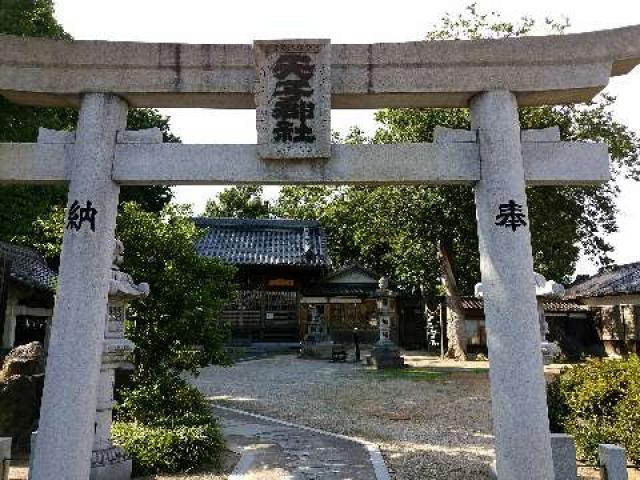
(411, 374)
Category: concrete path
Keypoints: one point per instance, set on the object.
(274, 450)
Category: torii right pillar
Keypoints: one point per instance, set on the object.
(518, 393)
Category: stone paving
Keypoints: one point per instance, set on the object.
(274, 450)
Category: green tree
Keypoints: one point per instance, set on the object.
(395, 229)
(177, 327)
(238, 202)
(22, 205)
(152, 198)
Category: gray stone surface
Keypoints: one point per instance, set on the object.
(5, 457)
(563, 448)
(111, 463)
(550, 134)
(314, 88)
(385, 355)
(613, 462)
(144, 136)
(518, 396)
(454, 135)
(286, 452)
(21, 163)
(230, 164)
(540, 70)
(46, 135)
(426, 163)
(548, 163)
(67, 417)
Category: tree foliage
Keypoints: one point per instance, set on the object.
(23, 205)
(395, 229)
(598, 402)
(239, 202)
(178, 326)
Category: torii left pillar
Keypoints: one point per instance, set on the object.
(67, 415)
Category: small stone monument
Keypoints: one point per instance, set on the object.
(385, 353)
(545, 289)
(110, 462)
(317, 342)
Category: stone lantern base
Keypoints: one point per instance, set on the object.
(111, 463)
(385, 355)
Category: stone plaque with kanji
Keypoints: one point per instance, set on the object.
(293, 98)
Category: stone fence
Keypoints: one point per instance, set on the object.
(612, 459)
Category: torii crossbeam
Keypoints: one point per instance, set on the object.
(492, 77)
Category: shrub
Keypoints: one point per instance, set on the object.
(598, 402)
(164, 399)
(178, 448)
(166, 425)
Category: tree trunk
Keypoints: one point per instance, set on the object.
(457, 347)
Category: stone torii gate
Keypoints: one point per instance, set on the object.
(492, 77)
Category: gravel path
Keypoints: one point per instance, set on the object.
(436, 429)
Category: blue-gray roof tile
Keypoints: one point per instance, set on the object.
(297, 243)
(618, 280)
(28, 267)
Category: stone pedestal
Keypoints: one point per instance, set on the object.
(5, 457)
(563, 447)
(111, 463)
(613, 462)
(385, 354)
(518, 393)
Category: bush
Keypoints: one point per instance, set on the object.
(166, 426)
(598, 402)
(164, 399)
(178, 448)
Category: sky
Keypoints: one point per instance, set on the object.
(343, 21)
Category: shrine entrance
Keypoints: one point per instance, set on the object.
(293, 84)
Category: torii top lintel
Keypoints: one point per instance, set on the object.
(539, 70)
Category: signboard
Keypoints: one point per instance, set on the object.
(293, 99)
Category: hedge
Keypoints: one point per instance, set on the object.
(167, 426)
(598, 402)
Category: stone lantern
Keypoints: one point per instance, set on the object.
(110, 462)
(545, 289)
(385, 353)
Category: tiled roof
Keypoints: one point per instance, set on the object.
(27, 267)
(297, 243)
(341, 290)
(619, 280)
(350, 268)
(554, 306)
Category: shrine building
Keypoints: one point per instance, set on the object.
(284, 267)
